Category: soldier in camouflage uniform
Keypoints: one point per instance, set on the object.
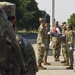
(11, 57)
(56, 43)
(70, 46)
(64, 45)
(27, 51)
(41, 43)
(14, 62)
(47, 27)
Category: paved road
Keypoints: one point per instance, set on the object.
(56, 68)
(31, 37)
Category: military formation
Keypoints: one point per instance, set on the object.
(62, 40)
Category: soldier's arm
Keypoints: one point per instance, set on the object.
(42, 35)
(70, 38)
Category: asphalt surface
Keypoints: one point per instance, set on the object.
(29, 35)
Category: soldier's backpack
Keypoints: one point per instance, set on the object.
(29, 55)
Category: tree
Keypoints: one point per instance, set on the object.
(47, 18)
(27, 13)
(71, 20)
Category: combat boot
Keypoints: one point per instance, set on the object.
(63, 61)
(40, 67)
(45, 62)
(66, 64)
(70, 67)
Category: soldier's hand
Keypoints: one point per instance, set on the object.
(43, 45)
(70, 48)
(48, 33)
(63, 35)
(69, 42)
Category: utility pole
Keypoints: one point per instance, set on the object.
(52, 13)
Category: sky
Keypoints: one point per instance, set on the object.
(63, 8)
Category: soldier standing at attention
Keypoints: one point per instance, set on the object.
(70, 46)
(41, 43)
(47, 27)
(56, 44)
(64, 45)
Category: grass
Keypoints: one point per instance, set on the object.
(24, 31)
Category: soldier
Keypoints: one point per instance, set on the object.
(41, 43)
(64, 45)
(13, 60)
(70, 46)
(11, 57)
(47, 26)
(56, 43)
(26, 48)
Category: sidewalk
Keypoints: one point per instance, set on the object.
(56, 68)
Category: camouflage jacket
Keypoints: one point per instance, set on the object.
(70, 37)
(29, 56)
(41, 35)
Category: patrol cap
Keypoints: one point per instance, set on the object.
(47, 25)
(64, 25)
(63, 22)
(56, 23)
(42, 19)
(9, 8)
(69, 26)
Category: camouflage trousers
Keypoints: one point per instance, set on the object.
(64, 52)
(56, 46)
(46, 53)
(70, 56)
(40, 53)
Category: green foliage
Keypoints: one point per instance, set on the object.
(71, 20)
(47, 18)
(27, 14)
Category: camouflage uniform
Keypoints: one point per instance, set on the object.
(41, 40)
(56, 46)
(47, 42)
(64, 47)
(41, 44)
(70, 47)
(13, 63)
